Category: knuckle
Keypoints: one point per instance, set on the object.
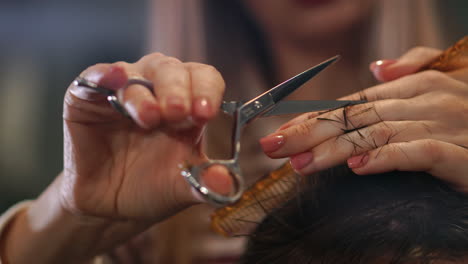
(450, 103)
(434, 78)
(96, 67)
(382, 132)
(211, 76)
(180, 80)
(151, 56)
(169, 62)
(168, 68)
(209, 69)
(418, 50)
(192, 65)
(303, 129)
(156, 54)
(195, 66)
(432, 148)
(357, 113)
(216, 77)
(121, 64)
(465, 154)
(152, 63)
(392, 151)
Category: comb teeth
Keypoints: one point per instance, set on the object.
(257, 202)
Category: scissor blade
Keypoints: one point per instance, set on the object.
(295, 107)
(284, 89)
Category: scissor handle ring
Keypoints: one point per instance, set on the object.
(193, 175)
(114, 101)
(111, 96)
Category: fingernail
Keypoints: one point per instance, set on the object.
(202, 108)
(150, 115)
(114, 78)
(301, 160)
(358, 161)
(219, 179)
(381, 63)
(272, 143)
(377, 66)
(175, 106)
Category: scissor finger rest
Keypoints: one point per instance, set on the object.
(111, 95)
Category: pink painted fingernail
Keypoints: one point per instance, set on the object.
(150, 114)
(113, 78)
(377, 66)
(381, 64)
(175, 107)
(202, 108)
(358, 161)
(301, 160)
(272, 143)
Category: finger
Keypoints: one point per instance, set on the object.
(406, 87)
(306, 135)
(141, 105)
(82, 104)
(171, 84)
(216, 178)
(337, 150)
(443, 160)
(299, 119)
(207, 90)
(461, 74)
(411, 62)
(109, 76)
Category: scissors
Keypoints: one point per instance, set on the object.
(266, 104)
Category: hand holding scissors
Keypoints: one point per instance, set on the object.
(269, 103)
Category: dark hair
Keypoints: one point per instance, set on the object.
(341, 217)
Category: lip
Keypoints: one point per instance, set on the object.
(312, 3)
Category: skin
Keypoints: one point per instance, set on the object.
(299, 22)
(300, 36)
(113, 185)
(413, 121)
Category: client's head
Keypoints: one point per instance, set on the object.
(391, 218)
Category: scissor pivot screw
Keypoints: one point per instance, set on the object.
(257, 104)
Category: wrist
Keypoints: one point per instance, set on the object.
(46, 232)
(6, 221)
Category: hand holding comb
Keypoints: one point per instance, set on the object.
(282, 184)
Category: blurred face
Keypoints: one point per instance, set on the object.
(308, 18)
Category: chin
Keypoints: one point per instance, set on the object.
(309, 18)
(330, 18)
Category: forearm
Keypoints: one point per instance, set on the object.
(46, 233)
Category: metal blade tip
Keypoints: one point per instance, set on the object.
(308, 74)
(284, 89)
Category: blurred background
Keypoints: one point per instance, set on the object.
(44, 45)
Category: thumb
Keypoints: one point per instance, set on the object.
(411, 62)
(219, 179)
(216, 178)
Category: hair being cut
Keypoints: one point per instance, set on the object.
(391, 218)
